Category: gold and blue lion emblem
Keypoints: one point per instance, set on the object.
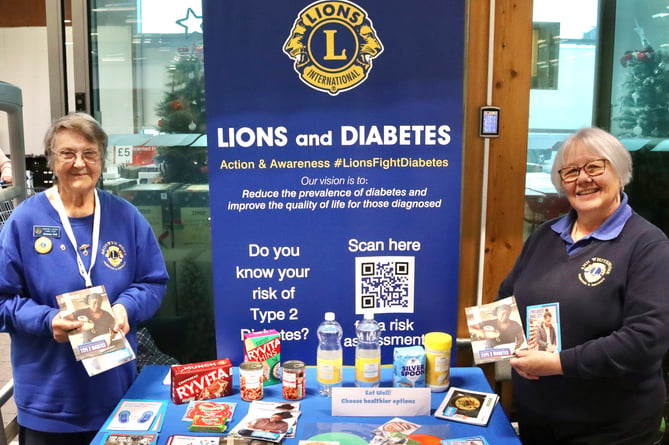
(333, 44)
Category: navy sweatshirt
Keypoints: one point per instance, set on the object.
(613, 300)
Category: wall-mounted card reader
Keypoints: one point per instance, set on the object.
(489, 127)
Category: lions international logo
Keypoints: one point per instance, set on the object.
(114, 254)
(594, 271)
(333, 44)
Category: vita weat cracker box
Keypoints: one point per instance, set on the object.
(265, 347)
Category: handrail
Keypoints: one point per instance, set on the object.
(11, 430)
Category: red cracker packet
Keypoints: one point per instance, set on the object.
(265, 347)
(209, 424)
(201, 381)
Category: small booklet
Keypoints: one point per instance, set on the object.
(178, 439)
(137, 415)
(129, 439)
(95, 343)
(269, 421)
(476, 440)
(543, 327)
(496, 330)
(239, 440)
(467, 406)
(395, 431)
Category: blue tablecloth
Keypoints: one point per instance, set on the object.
(316, 410)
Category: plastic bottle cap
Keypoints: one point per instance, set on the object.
(369, 316)
(329, 316)
(438, 340)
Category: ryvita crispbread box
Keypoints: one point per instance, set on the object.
(201, 381)
(265, 347)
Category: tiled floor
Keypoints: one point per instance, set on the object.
(9, 410)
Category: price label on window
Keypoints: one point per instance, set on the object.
(123, 154)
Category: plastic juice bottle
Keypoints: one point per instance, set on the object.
(368, 352)
(329, 354)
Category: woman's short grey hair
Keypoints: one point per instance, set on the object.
(81, 123)
(602, 144)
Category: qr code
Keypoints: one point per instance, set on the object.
(384, 284)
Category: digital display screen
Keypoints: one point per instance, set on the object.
(489, 121)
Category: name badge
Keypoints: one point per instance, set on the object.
(49, 231)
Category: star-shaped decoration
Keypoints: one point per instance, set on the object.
(192, 22)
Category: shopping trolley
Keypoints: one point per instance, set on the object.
(8, 202)
(11, 103)
(11, 195)
(6, 208)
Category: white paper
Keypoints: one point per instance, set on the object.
(373, 402)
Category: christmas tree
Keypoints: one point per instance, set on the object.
(642, 109)
(182, 109)
(643, 112)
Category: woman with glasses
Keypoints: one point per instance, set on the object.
(69, 238)
(606, 269)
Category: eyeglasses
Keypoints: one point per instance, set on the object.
(592, 168)
(89, 156)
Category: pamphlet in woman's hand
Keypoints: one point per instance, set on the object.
(543, 327)
(496, 330)
(94, 343)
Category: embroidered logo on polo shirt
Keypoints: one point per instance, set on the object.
(114, 254)
(594, 271)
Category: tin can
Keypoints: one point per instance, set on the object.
(293, 380)
(251, 381)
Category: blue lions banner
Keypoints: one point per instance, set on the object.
(335, 148)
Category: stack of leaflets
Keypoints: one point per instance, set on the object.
(395, 431)
(467, 406)
(134, 422)
(239, 440)
(178, 439)
(129, 439)
(94, 344)
(496, 330)
(477, 440)
(269, 421)
(137, 415)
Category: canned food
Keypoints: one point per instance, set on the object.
(251, 381)
(293, 380)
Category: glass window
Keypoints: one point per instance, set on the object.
(561, 98)
(545, 55)
(639, 98)
(148, 93)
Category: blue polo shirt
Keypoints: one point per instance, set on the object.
(609, 230)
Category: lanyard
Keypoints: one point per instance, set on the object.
(65, 221)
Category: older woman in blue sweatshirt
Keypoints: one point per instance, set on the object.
(68, 238)
(606, 269)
